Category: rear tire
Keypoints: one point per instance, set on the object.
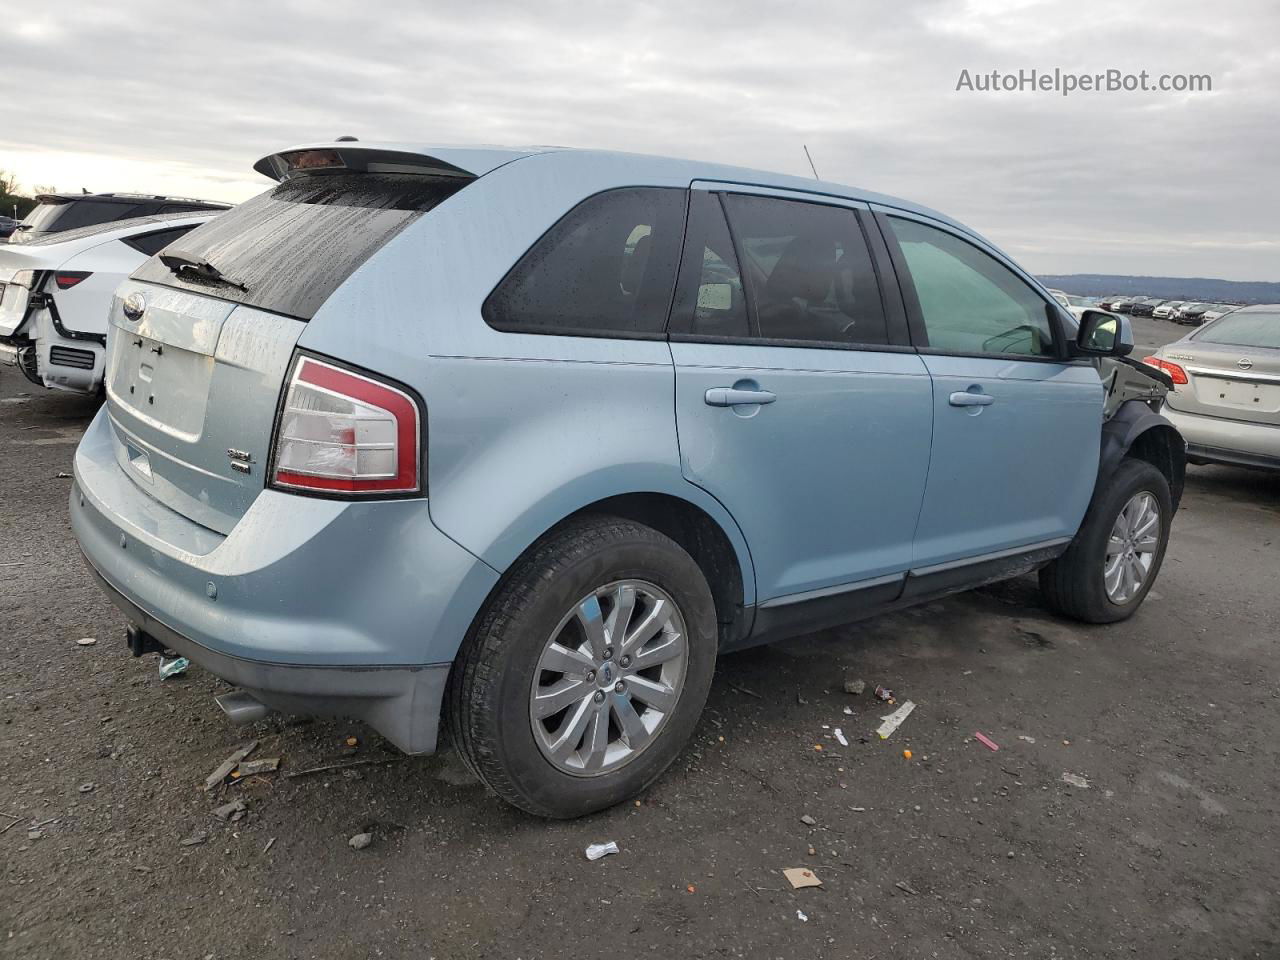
(507, 671)
(1077, 583)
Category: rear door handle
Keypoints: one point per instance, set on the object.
(963, 398)
(733, 397)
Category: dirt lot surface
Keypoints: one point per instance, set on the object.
(1171, 851)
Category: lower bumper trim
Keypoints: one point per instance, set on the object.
(402, 703)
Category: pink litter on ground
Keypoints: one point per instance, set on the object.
(986, 741)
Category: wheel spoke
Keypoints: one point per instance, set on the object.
(1115, 545)
(634, 732)
(597, 741)
(647, 628)
(573, 663)
(570, 732)
(1112, 577)
(1147, 544)
(671, 646)
(591, 617)
(660, 696)
(554, 698)
(624, 601)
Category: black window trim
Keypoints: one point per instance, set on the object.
(915, 317)
(893, 308)
(584, 332)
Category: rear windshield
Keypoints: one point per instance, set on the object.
(1249, 329)
(292, 246)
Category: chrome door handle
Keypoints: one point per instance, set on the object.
(963, 398)
(733, 397)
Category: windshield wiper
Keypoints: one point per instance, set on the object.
(185, 265)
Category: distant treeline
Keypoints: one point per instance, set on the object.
(1172, 288)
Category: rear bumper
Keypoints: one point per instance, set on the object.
(1227, 441)
(313, 606)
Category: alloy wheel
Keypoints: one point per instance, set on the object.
(1131, 548)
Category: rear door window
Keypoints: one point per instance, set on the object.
(153, 243)
(293, 245)
(84, 213)
(607, 268)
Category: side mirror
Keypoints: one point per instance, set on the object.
(1103, 334)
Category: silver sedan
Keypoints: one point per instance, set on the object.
(1226, 394)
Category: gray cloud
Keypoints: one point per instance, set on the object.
(1136, 183)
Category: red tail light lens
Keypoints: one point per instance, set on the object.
(345, 433)
(1175, 372)
(66, 279)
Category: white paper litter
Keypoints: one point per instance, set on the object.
(597, 850)
(1075, 780)
(801, 917)
(894, 720)
(839, 735)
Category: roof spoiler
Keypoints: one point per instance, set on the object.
(355, 157)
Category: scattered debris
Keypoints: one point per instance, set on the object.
(808, 821)
(858, 809)
(63, 475)
(360, 841)
(848, 712)
(86, 641)
(224, 769)
(270, 843)
(856, 687)
(907, 754)
(1075, 780)
(353, 742)
(597, 850)
(818, 747)
(14, 820)
(171, 668)
(691, 888)
(839, 735)
(986, 741)
(252, 768)
(801, 917)
(197, 838)
(907, 888)
(34, 834)
(1026, 739)
(749, 693)
(800, 877)
(884, 693)
(141, 869)
(87, 787)
(233, 811)
(343, 766)
(894, 720)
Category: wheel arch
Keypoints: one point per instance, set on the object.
(1137, 431)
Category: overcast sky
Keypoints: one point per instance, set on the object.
(160, 96)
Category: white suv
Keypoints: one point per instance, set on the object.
(55, 294)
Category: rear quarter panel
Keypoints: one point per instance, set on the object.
(522, 429)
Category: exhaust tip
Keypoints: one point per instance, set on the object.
(241, 708)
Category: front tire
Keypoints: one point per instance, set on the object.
(1117, 553)
(587, 671)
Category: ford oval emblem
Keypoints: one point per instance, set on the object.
(134, 304)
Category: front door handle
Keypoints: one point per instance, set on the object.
(963, 398)
(733, 397)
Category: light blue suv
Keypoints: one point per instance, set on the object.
(524, 438)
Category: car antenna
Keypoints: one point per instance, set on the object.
(810, 159)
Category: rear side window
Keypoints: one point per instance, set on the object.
(84, 213)
(153, 243)
(293, 245)
(607, 268)
(710, 300)
(808, 271)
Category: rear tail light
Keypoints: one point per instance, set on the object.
(343, 432)
(66, 279)
(1175, 372)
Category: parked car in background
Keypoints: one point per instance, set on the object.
(712, 449)
(1167, 309)
(7, 226)
(1106, 302)
(1193, 313)
(1124, 304)
(1145, 307)
(1226, 396)
(58, 212)
(55, 295)
(1218, 310)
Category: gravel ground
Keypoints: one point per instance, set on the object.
(1171, 850)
